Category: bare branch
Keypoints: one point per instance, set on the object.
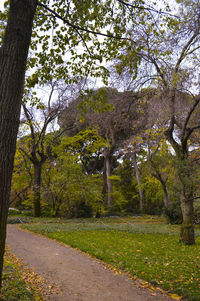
(148, 8)
(188, 118)
(28, 117)
(184, 50)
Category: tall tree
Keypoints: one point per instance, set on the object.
(13, 56)
(114, 114)
(82, 22)
(39, 140)
(166, 54)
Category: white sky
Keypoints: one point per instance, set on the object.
(1, 4)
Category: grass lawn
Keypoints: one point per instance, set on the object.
(149, 250)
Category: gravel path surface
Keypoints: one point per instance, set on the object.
(79, 277)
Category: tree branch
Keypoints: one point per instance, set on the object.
(76, 27)
(149, 8)
(185, 48)
(188, 119)
(27, 114)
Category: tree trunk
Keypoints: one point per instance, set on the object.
(185, 173)
(159, 177)
(36, 189)
(166, 195)
(3, 219)
(109, 183)
(13, 56)
(138, 178)
(187, 227)
(108, 174)
(104, 189)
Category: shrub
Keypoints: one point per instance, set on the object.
(173, 213)
(196, 217)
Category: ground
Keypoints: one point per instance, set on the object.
(78, 276)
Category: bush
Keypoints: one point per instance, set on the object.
(75, 210)
(13, 211)
(196, 217)
(173, 213)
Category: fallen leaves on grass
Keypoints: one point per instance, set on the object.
(41, 288)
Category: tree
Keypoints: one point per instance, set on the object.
(39, 141)
(175, 104)
(81, 24)
(74, 180)
(114, 114)
(22, 180)
(13, 58)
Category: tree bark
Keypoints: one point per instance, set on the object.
(166, 195)
(187, 227)
(13, 57)
(187, 235)
(36, 189)
(108, 174)
(159, 177)
(138, 178)
(104, 189)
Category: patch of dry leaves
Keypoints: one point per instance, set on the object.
(42, 289)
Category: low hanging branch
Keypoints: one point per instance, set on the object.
(76, 27)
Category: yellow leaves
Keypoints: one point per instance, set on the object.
(33, 281)
(175, 297)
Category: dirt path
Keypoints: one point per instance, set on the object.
(79, 277)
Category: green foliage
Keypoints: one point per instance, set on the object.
(157, 258)
(82, 146)
(97, 102)
(21, 180)
(126, 198)
(69, 191)
(63, 27)
(153, 202)
(196, 216)
(173, 213)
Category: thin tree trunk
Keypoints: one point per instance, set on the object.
(159, 177)
(107, 155)
(109, 183)
(104, 189)
(138, 178)
(36, 189)
(13, 56)
(166, 195)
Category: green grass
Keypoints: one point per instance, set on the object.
(23, 218)
(150, 251)
(13, 287)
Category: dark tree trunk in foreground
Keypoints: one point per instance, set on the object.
(13, 56)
